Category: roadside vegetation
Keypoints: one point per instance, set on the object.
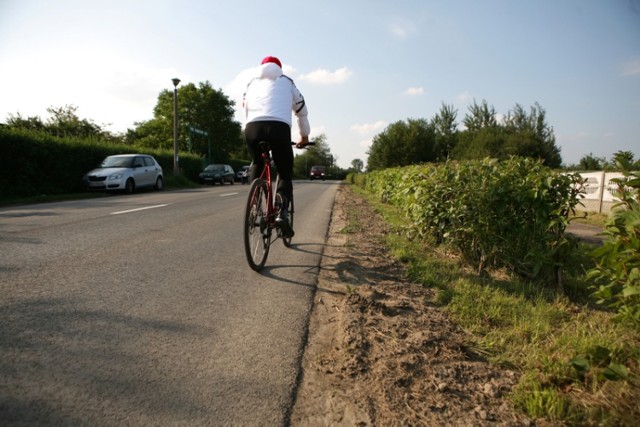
(565, 318)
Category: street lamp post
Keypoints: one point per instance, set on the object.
(176, 165)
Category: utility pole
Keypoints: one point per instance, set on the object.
(176, 164)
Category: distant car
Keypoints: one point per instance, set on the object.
(317, 172)
(243, 174)
(217, 173)
(125, 172)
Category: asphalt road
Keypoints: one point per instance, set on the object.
(142, 310)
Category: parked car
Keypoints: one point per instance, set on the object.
(125, 172)
(217, 173)
(317, 172)
(243, 174)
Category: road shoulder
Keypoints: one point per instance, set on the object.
(380, 352)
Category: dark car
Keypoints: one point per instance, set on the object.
(317, 172)
(217, 173)
(125, 172)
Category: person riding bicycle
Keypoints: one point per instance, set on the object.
(268, 103)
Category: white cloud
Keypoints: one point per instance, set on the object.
(580, 136)
(368, 128)
(402, 28)
(326, 77)
(412, 91)
(631, 68)
(235, 89)
(366, 143)
(106, 88)
(464, 97)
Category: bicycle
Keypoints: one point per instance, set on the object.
(263, 206)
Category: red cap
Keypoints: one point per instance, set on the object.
(272, 59)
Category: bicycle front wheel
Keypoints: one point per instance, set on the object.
(257, 234)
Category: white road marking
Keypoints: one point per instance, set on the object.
(228, 194)
(139, 209)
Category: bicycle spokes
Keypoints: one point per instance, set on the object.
(257, 234)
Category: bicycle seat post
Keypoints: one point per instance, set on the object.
(264, 148)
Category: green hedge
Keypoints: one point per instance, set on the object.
(509, 214)
(33, 163)
(617, 271)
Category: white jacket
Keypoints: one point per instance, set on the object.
(274, 96)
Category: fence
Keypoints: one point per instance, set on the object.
(599, 191)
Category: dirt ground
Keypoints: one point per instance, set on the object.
(380, 352)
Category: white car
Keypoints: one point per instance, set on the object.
(125, 172)
(243, 174)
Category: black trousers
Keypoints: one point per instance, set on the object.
(278, 135)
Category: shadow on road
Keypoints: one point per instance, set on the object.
(63, 364)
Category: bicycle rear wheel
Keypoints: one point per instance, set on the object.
(287, 240)
(257, 234)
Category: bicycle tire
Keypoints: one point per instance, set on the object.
(287, 240)
(257, 234)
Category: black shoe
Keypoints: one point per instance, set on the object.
(285, 227)
(282, 221)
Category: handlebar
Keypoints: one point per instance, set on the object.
(308, 143)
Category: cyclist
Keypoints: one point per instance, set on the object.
(268, 102)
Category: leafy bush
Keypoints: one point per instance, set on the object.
(358, 179)
(617, 271)
(509, 214)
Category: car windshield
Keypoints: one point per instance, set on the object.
(214, 168)
(117, 162)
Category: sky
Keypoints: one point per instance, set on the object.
(360, 64)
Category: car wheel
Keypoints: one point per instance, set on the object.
(159, 183)
(129, 186)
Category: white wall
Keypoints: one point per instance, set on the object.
(599, 191)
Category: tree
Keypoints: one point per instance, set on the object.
(64, 122)
(591, 163)
(531, 136)
(519, 134)
(357, 165)
(446, 131)
(30, 123)
(480, 117)
(200, 107)
(402, 144)
(485, 142)
(624, 160)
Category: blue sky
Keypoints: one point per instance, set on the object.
(361, 64)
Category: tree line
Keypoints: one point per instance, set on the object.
(519, 133)
(207, 128)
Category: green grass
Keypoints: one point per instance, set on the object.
(593, 218)
(536, 330)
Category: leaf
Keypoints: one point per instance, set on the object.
(580, 364)
(615, 372)
(630, 291)
(599, 354)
